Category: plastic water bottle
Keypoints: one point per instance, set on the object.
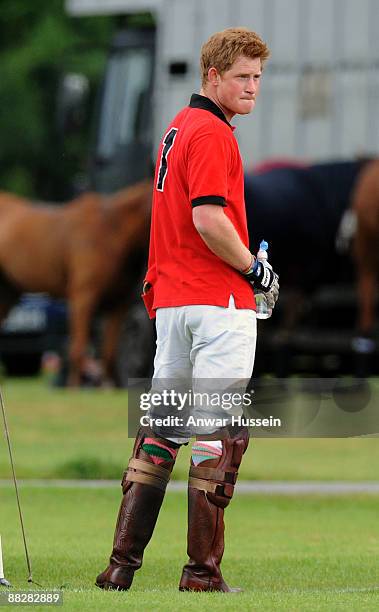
(263, 311)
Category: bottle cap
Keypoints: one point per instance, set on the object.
(263, 245)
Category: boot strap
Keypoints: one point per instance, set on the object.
(152, 475)
(213, 474)
(149, 468)
(224, 490)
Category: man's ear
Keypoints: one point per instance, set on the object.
(213, 76)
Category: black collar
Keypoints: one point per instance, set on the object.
(198, 101)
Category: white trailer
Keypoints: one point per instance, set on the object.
(320, 90)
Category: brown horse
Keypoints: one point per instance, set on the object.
(84, 251)
(365, 204)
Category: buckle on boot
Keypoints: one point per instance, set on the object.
(224, 490)
(213, 474)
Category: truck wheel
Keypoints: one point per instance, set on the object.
(22, 364)
(136, 347)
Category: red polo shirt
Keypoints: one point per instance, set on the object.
(198, 163)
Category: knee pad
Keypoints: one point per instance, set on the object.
(218, 478)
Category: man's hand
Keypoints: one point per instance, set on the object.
(262, 276)
(273, 294)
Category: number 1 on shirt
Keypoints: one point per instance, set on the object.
(168, 143)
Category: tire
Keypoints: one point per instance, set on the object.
(28, 364)
(136, 347)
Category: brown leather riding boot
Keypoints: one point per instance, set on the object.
(144, 485)
(210, 489)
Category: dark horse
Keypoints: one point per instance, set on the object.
(87, 251)
(298, 210)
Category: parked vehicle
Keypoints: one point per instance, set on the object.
(35, 325)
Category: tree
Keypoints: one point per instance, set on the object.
(40, 43)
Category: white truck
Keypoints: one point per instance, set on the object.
(320, 91)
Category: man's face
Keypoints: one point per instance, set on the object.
(238, 87)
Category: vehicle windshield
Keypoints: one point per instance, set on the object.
(127, 80)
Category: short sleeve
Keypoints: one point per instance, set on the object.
(209, 155)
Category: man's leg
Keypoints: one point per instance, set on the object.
(144, 482)
(223, 359)
(210, 489)
(144, 485)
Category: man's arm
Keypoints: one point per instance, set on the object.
(220, 236)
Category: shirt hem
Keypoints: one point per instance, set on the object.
(223, 303)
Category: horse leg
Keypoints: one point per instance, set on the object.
(366, 283)
(366, 286)
(111, 335)
(82, 306)
(367, 271)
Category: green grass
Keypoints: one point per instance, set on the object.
(304, 553)
(289, 553)
(83, 434)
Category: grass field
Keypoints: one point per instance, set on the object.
(83, 434)
(311, 553)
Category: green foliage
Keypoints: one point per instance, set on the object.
(40, 43)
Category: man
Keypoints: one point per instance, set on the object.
(199, 286)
